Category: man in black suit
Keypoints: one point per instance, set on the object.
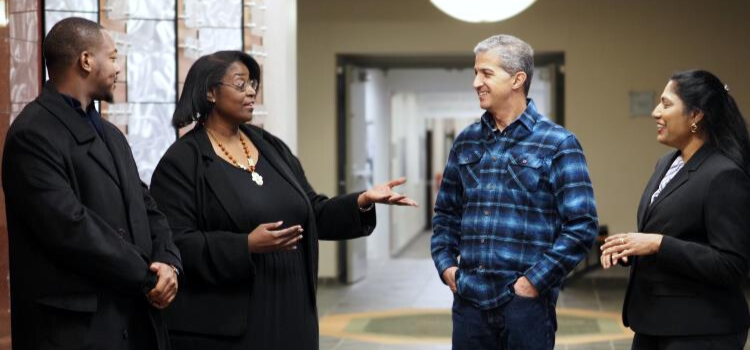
(92, 260)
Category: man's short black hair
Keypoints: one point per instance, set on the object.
(67, 39)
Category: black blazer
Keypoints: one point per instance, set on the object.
(82, 232)
(205, 212)
(693, 285)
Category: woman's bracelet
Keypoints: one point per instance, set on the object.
(367, 208)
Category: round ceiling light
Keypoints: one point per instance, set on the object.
(482, 10)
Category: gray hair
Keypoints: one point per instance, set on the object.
(515, 55)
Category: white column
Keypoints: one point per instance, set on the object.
(280, 80)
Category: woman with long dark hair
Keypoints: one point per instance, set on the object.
(691, 254)
(245, 218)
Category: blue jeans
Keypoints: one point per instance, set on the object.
(520, 324)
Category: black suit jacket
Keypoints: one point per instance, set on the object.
(693, 285)
(82, 233)
(204, 213)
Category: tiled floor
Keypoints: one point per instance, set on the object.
(410, 282)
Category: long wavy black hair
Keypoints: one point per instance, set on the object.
(203, 76)
(722, 122)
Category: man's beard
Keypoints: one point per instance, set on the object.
(105, 95)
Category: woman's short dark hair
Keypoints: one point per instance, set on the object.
(204, 75)
(722, 122)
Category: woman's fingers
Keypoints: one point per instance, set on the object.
(272, 225)
(396, 182)
(402, 200)
(286, 233)
(622, 254)
(395, 197)
(291, 244)
(605, 260)
(616, 238)
(407, 202)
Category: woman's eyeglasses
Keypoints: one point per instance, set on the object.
(242, 85)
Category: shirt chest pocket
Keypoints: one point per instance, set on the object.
(524, 171)
(469, 166)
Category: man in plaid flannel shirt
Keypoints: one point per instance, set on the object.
(515, 212)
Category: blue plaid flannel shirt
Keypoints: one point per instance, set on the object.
(512, 203)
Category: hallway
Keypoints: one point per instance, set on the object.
(402, 304)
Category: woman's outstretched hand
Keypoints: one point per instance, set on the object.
(385, 194)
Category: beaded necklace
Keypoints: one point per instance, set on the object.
(250, 168)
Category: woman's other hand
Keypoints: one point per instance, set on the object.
(623, 245)
(385, 194)
(265, 238)
(607, 261)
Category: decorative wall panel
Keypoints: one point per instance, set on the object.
(217, 39)
(254, 28)
(151, 61)
(150, 133)
(24, 26)
(151, 80)
(24, 54)
(150, 9)
(74, 5)
(23, 6)
(52, 17)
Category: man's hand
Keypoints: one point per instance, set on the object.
(166, 286)
(449, 276)
(524, 288)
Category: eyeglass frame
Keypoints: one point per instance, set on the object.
(245, 84)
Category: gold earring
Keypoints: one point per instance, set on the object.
(693, 128)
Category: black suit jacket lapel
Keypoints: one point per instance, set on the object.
(122, 158)
(51, 100)
(219, 182)
(653, 184)
(98, 150)
(682, 176)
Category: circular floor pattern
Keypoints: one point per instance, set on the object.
(430, 326)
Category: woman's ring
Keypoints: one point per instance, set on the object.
(622, 240)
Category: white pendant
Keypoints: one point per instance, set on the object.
(257, 179)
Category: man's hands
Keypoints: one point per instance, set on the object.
(449, 276)
(523, 288)
(166, 285)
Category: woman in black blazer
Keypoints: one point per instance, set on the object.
(686, 275)
(246, 219)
